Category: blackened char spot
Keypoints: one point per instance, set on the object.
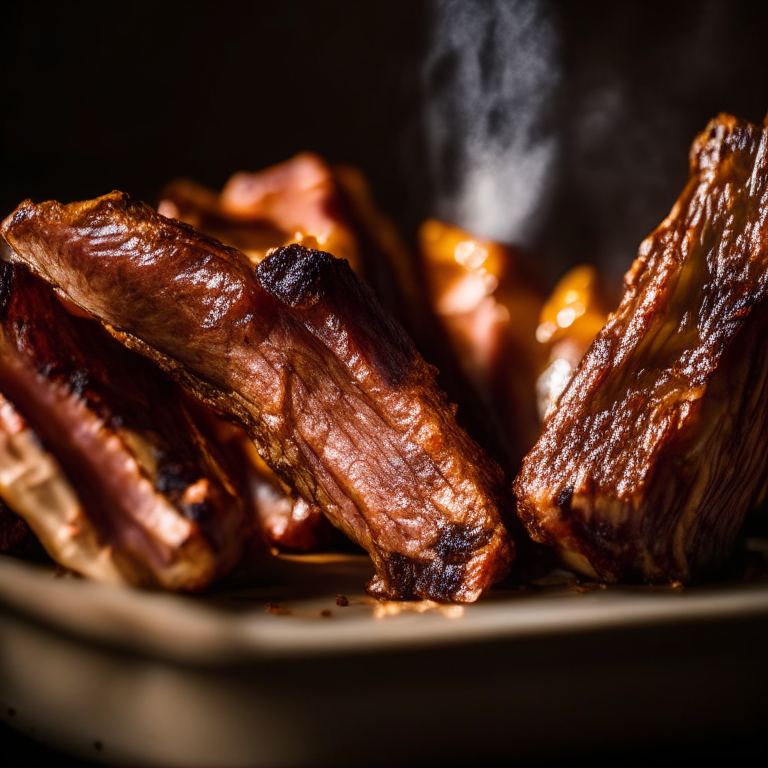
(442, 576)
(6, 286)
(564, 498)
(295, 275)
(320, 286)
(173, 477)
(456, 543)
(436, 579)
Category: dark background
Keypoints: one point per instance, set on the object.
(98, 96)
(129, 96)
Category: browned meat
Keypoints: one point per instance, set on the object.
(201, 207)
(285, 520)
(289, 522)
(134, 493)
(304, 200)
(330, 388)
(298, 200)
(34, 485)
(658, 446)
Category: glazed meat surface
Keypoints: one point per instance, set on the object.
(98, 455)
(658, 446)
(330, 388)
(571, 318)
(297, 199)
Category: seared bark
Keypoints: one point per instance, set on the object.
(134, 493)
(658, 446)
(330, 388)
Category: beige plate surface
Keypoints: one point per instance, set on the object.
(295, 611)
(281, 674)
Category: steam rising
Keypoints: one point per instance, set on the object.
(566, 129)
(490, 77)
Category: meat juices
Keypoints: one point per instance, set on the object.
(330, 388)
(658, 446)
(98, 455)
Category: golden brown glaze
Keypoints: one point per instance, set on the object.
(488, 307)
(570, 319)
(330, 388)
(143, 499)
(657, 447)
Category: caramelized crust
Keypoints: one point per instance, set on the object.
(145, 500)
(330, 388)
(657, 447)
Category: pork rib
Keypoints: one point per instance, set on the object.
(658, 446)
(98, 455)
(330, 388)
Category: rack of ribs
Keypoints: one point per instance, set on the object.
(658, 446)
(98, 455)
(330, 388)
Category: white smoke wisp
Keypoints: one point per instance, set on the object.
(490, 79)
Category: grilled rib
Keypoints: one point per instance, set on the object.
(330, 388)
(301, 199)
(98, 455)
(658, 446)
